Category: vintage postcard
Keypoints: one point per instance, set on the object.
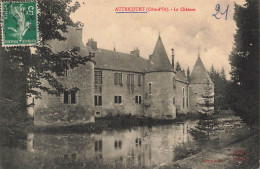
(129, 84)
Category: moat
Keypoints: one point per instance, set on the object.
(138, 146)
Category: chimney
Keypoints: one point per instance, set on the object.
(79, 31)
(188, 74)
(172, 58)
(135, 52)
(92, 44)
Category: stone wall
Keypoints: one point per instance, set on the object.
(50, 109)
(128, 93)
(180, 96)
(159, 104)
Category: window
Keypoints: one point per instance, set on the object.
(118, 99)
(183, 104)
(98, 77)
(183, 91)
(187, 102)
(132, 79)
(66, 97)
(150, 88)
(117, 78)
(73, 97)
(120, 78)
(118, 144)
(188, 92)
(173, 101)
(138, 99)
(139, 80)
(98, 113)
(98, 146)
(128, 79)
(98, 100)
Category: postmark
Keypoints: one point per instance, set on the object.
(19, 23)
(239, 155)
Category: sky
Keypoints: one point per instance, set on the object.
(183, 31)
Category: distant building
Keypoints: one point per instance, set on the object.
(120, 83)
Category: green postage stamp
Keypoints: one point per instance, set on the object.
(19, 23)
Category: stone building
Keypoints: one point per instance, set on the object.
(120, 83)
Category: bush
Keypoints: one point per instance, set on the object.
(185, 150)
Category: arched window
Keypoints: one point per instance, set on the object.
(150, 88)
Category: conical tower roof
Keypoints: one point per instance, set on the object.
(199, 73)
(159, 59)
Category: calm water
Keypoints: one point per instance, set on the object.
(140, 146)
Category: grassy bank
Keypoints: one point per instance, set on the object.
(231, 134)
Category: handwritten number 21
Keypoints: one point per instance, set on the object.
(218, 10)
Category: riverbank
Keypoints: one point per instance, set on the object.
(231, 139)
(222, 158)
(108, 123)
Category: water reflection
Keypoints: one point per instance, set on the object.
(141, 146)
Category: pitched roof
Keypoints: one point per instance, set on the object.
(74, 39)
(159, 59)
(199, 73)
(112, 60)
(180, 76)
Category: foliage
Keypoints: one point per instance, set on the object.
(244, 60)
(21, 69)
(207, 97)
(185, 150)
(178, 66)
(208, 121)
(220, 88)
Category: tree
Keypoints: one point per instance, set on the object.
(212, 74)
(223, 75)
(244, 63)
(220, 88)
(178, 66)
(21, 70)
(207, 122)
